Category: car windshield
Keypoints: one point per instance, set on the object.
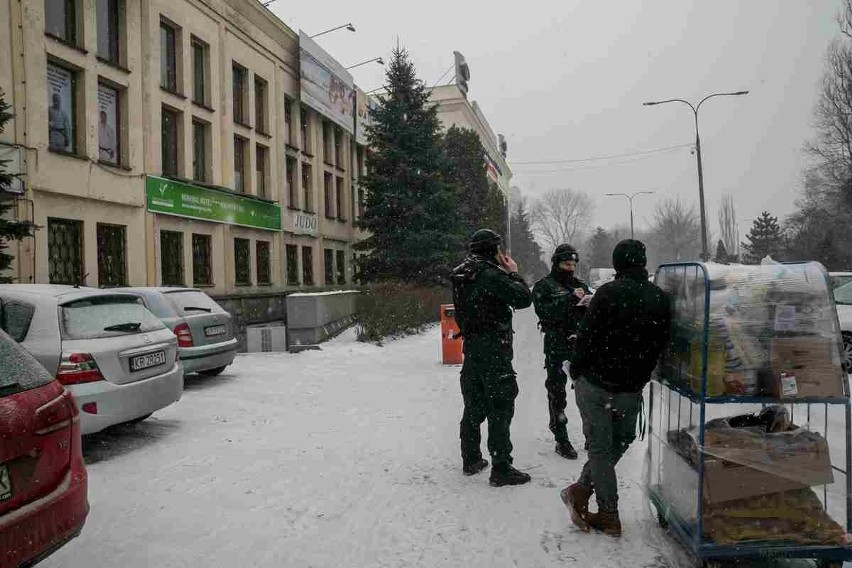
(19, 371)
(193, 302)
(843, 295)
(106, 316)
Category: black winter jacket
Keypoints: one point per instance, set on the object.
(558, 313)
(623, 334)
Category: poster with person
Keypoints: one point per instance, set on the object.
(107, 124)
(60, 101)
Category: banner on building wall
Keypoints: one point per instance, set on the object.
(60, 108)
(326, 86)
(107, 124)
(363, 104)
(305, 223)
(170, 197)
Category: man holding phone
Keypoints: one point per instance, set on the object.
(486, 288)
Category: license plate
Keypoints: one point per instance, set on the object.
(5, 484)
(215, 330)
(142, 362)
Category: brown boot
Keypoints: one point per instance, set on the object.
(576, 498)
(607, 523)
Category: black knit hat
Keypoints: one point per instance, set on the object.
(484, 241)
(627, 254)
(564, 252)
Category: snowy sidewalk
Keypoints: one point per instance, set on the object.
(345, 457)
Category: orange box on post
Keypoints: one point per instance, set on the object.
(451, 344)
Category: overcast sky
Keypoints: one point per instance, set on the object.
(566, 80)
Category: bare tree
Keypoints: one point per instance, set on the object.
(728, 229)
(561, 216)
(676, 231)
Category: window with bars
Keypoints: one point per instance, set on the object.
(240, 87)
(341, 267)
(341, 212)
(307, 182)
(168, 57)
(328, 265)
(264, 269)
(308, 266)
(202, 260)
(292, 188)
(65, 251)
(328, 180)
(240, 145)
(171, 258)
(112, 255)
(61, 19)
(262, 170)
(242, 262)
(292, 265)
(170, 139)
(108, 14)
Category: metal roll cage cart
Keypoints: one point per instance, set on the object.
(683, 403)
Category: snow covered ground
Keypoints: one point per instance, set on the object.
(345, 457)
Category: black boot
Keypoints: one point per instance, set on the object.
(475, 467)
(566, 450)
(505, 474)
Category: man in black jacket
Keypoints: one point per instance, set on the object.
(618, 346)
(556, 298)
(486, 287)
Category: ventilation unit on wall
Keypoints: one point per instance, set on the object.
(266, 338)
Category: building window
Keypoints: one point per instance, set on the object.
(288, 120)
(292, 188)
(61, 19)
(261, 122)
(240, 87)
(339, 199)
(262, 170)
(264, 271)
(199, 150)
(293, 265)
(328, 265)
(329, 195)
(327, 143)
(242, 262)
(199, 72)
(112, 255)
(171, 258)
(108, 30)
(360, 201)
(240, 145)
(202, 260)
(341, 267)
(62, 102)
(170, 140)
(338, 147)
(109, 124)
(168, 58)
(307, 181)
(304, 121)
(307, 266)
(65, 251)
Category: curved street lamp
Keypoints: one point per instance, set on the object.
(349, 27)
(630, 197)
(378, 60)
(704, 252)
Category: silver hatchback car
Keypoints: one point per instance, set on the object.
(118, 360)
(205, 335)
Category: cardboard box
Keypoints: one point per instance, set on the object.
(814, 362)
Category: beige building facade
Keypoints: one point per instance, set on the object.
(164, 143)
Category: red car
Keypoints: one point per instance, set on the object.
(43, 480)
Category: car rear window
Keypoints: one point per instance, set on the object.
(19, 371)
(193, 302)
(104, 316)
(15, 319)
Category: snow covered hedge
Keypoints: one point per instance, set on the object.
(395, 309)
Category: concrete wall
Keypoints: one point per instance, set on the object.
(313, 318)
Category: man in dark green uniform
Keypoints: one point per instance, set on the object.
(557, 299)
(486, 288)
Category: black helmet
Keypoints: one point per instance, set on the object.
(484, 241)
(563, 253)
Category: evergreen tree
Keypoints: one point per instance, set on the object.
(600, 246)
(467, 179)
(525, 250)
(9, 229)
(408, 211)
(494, 215)
(721, 253)
(765, 238)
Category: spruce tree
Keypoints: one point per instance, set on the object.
(10, 230)
(765, 238)
(525, 250)
(600, 246)
(721, 253)
(467, 179)
(408, 214)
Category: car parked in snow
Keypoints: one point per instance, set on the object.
(843, 300)
(43, 481)
(839, 279)
(205, 335)
(117, 358)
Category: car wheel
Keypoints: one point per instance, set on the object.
(138, 420)
(847, 351)
(212, 372)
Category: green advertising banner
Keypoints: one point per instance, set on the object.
(171, 197)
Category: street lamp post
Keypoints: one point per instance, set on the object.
(378, 60)
(704, 252)
(349, 27)
(630, 197)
